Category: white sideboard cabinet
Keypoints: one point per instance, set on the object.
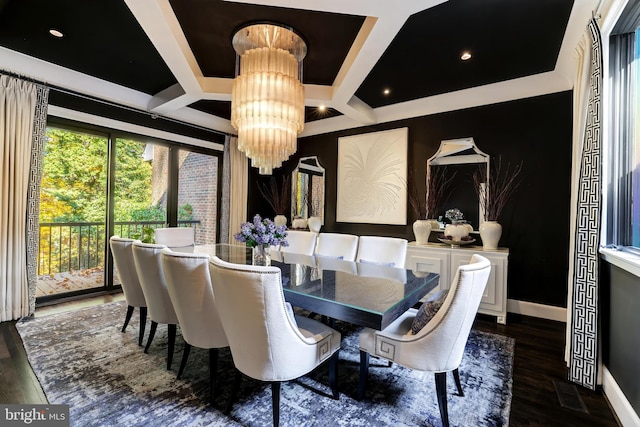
(438, 258)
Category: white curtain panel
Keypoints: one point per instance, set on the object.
(582, 331)
(17, 107)
(238, 188)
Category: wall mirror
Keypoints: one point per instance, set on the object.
(463, 157)
(307, 189)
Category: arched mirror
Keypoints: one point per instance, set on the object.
(463, 157)
(307, 189)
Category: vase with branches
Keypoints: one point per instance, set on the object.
(426, 205)
(277, 196)
(494, 192)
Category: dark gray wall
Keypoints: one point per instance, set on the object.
(620, 292)
(536, 131)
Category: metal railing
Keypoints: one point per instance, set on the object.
(69, 246)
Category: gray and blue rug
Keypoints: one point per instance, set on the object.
(82, 359)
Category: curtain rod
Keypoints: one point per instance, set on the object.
(110, 103)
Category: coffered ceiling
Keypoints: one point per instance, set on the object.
(368, 61)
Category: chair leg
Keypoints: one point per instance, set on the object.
(171, 344)
(275, 402)
(441, 392)
(364, 372)
(456, 377)
(127, 317)
(143, 324)
(234, 391)
(185, 356)
(213, 367)
(152, 333)
(333, 375)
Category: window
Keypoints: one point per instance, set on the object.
(98, 183)
(623, 146)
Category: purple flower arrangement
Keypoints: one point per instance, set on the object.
(262, 232)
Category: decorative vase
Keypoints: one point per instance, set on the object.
(314, 223)
(422, 231)
(435, 224)
(490, 232)
(469, 226)
(279, 220)
(456, 230)
(261, 255)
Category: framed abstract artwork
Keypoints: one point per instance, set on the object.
(372, 176)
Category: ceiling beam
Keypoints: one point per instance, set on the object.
(161, 26)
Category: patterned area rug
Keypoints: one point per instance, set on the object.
(82, 359)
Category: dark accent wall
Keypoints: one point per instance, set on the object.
(536, 131)
(620, 293)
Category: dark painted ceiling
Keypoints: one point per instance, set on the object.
(356, 49)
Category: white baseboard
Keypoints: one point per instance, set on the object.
(621, 406)
(533, 309)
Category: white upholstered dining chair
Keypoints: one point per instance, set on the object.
(149, 267)
(123, 259)
(390, 251)
(437, 346)
(268, 342)
(189, 285)
(337, 245)
(300, 242)
(178, 238)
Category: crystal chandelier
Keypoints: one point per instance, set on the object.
(267, 100)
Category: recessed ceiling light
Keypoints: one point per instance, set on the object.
(55, 33)
(322, 108)
(465, 56)
(387, 91)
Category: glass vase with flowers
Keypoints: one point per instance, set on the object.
(261, 234)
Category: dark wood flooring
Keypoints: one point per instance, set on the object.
(538, 362)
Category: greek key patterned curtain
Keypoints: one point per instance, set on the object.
(23, 115)
(586, 213)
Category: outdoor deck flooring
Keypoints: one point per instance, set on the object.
(69, 281)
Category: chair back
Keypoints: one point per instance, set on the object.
(448, 331)
(123, 259)
(265, 343)
(189, 286)
(300, 242)
(390, 251)
(337, 245)
(176, 237)
(149, 267)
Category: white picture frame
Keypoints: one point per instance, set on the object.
(372, 176)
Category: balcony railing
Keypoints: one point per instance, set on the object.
(69, 246)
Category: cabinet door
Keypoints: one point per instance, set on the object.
(493, 299)
(430, 261)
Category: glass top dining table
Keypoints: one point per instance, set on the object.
(363, 294)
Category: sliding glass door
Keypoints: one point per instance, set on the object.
(73, 204)
(198, 194)
(96, 185)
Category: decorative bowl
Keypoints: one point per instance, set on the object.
(456, 243)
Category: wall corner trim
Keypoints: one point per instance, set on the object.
(627, 416)
(549, 312)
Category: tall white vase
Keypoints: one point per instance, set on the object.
(314, 223)
(422, 231)
(279, 220)
(490, 232)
